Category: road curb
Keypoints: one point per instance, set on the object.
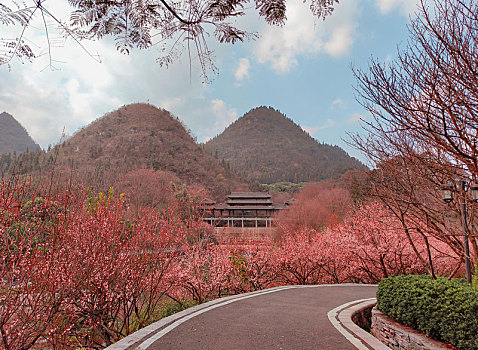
(341, 319)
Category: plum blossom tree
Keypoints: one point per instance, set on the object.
(30, 302)
(205, 273)
(255, 266)
(99, 274)
(318, 205)
(424, 127)
(373, 244)
(299, 258)
(118, 270)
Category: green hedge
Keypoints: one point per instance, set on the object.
(443, 310)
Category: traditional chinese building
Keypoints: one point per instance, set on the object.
(242, 209)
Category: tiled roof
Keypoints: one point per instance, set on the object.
(252, 201)
(258, 195)
(247, 207)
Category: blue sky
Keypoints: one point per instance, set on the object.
(302, 69)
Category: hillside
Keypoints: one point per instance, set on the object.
(140, 136)
(13, 136)
(266, 146)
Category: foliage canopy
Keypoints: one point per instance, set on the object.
(141, 24)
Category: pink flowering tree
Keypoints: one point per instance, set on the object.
(374, 245)
(119, 269)
(205, 273)
(255, 266)
(31, 300)
(299, 258)
(85, 275)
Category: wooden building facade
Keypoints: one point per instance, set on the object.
(242, 209)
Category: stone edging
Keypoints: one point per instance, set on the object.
(396, 335)
(341, 319)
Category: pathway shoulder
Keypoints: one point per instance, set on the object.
(341, 318)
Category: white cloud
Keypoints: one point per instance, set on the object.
(340, 41)
(242, 70)
(356, 117)
(83, 90)
(224, 115)
(329, 123)
(280, 46)
(46, 101)
(312, 130)
(406, 7)
(303, 34)
(338, 102)
(80, 90)
(171, 103)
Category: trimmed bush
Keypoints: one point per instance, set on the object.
(445, 310)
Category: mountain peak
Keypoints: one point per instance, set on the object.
(142, 136)
(269, 147)
(13, 136)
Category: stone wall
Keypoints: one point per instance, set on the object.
(397, 336)
(362, 318)
(243, 235)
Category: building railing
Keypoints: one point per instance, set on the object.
(239, 222)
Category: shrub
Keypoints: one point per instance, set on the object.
(445, 310)
(171, 307)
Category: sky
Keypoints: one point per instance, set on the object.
(303, 69)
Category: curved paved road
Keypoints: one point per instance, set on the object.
(292, 317)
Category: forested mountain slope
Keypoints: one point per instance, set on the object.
(134, 137)
(266, 146)
(13, 136)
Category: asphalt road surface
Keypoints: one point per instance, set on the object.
(289, 319)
